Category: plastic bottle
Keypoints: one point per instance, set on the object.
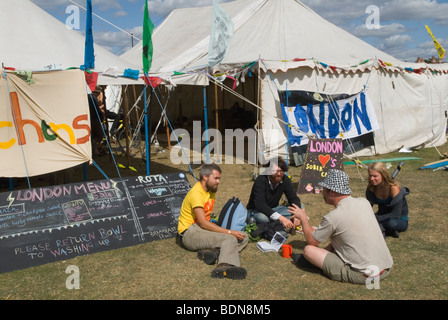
(251, 219)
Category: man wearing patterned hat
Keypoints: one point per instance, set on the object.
(357, 251)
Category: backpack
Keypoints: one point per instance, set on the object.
(233, 215)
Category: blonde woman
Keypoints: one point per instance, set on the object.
(382, 190)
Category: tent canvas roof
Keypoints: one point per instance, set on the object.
(33, 39)
(273, 30)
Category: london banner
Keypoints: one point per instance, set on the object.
(326, 117)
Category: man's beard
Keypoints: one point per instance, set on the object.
(212, 188)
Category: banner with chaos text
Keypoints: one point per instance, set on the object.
(44, 122)
(326, 117)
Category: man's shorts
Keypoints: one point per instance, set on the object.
(336, 269)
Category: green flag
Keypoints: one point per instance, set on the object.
(148, 27)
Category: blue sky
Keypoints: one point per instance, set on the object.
(401, 23)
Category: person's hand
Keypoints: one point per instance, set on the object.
(297, 212)
(237, 234)
(287, 223)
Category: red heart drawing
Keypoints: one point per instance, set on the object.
(324, 159)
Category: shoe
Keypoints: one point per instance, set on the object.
(301, 262)
(209, 256)
(395, 234)
(225, 270)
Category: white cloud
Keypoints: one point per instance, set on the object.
(121, 13)
(117, 42)
(395, 41)
(164, 7)
(415, 10)
(385, 30)
(101, 5)
(402, 23)
(343, 11)
(397, 46)
(340, 12)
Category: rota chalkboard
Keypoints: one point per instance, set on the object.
(321, 155)
(49, 224)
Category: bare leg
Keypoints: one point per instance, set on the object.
(315, 255)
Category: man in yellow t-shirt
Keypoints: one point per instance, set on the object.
(212, 242)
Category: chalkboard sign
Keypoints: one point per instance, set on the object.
(49, 224)
(321, 155)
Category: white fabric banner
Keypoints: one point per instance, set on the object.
(44, 122)
(345, 118)
(221, 35)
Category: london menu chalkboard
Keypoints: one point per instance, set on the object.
(321, 155)
(49, 224)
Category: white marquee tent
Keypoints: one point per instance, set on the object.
(295, 49)
(34, 40)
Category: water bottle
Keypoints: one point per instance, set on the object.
(251, 219)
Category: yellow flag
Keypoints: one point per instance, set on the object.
(439, 48)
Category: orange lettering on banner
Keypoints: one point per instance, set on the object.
(21, 122)
(10, 143)
(86, 127)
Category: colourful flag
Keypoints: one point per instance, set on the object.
(148, 49)
(89, 53)
(439, 48)
(221, 35)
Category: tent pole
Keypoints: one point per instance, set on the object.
(137, 114)
(126, 125)
(148, 146)
(218, 147)
(260, 114)
(84, 170)
(179, 104)
(166, 120)
(168, 134)
(206, 123)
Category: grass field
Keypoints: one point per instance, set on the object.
(162, 270)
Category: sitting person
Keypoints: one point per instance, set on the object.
(267, 191)
(357, 252)
(197, 233)
(96, 118)
(382, 190)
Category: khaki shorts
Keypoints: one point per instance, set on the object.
(336, 269)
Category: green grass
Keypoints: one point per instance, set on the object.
(164, 270)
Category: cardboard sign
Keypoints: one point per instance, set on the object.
(321, 155)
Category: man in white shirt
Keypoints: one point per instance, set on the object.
(357, 249)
